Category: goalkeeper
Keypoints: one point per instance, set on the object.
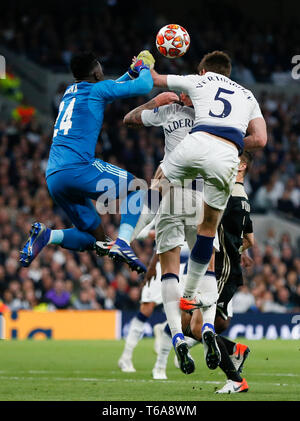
(74, 176)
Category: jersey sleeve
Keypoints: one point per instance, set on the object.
(256, 112)
(248, 225)
(109, 90)
(180, 83)
(156, 117)
(123, 78)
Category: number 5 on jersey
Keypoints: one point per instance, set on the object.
(227, 106)
(66, 120)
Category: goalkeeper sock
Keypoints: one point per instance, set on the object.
(130, 210)
(72, 239)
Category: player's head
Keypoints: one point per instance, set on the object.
(245, 162)
(217, 62)
(185, 99)
(85, 66)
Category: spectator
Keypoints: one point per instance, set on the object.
(243, 300)
(59, 296)
(83, 302)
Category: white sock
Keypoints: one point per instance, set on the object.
(207, 291)
(209, 314)
(134, 335)
(165, 348)
(208, 295)
(194, 273)
(170, 292)
(191, 342)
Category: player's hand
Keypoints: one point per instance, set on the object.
(246, 261)
(137, 67)
(166, 98)
(147, 58)
(144, 60)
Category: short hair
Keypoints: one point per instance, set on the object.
(82, 64)
(217, 62)
(247, 157)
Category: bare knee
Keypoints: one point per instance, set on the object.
(147, 308)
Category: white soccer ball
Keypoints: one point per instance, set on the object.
(172, 41)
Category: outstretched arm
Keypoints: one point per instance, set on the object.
(134, 117)
(159, 81)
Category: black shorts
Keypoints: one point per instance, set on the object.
(226, 295)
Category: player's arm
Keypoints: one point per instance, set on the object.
(134, 117)
(248, 241)
(173, 82)
(257, 130)
(131, 73)
(109, 90)
(160, 81)
(248, 236)
(257, 134)
(151, 272)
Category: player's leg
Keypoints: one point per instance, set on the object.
(205, 299)
(135, 333)
(238, 352)
(165, 346)
(234, 381)
(79, 209)
(170, 265)
(105, 183)
(201, 254)
(150, 298)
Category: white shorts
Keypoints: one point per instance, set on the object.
(216, 161)
(152, 293)
(175, 224)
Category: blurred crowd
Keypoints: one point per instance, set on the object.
(261, 52)
(62, 279)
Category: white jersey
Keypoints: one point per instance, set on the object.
(222, 106)
(176, 121)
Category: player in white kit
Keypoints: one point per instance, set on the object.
(224, 112)
(174, 223)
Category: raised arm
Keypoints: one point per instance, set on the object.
(134, 117)
(160, 81)
(257, 134)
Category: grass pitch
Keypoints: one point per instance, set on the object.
(87, 371)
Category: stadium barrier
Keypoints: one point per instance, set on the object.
(114, 324)
(250, 325)
(61, 324)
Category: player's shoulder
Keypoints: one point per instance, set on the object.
(169, 109)
(102, 85)
(239, 191)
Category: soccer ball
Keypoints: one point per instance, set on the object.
(172, 41)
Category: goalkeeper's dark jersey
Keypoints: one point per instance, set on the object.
(234, 224)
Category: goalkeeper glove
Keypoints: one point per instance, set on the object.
(147, 58)
(144, 60)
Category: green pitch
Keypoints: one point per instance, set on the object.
(87, 370)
